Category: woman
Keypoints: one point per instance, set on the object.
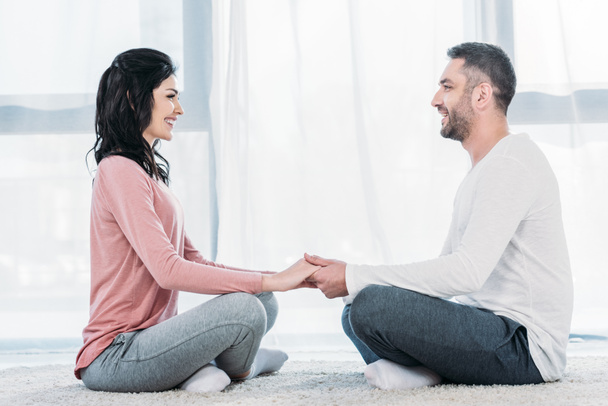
(141, 257)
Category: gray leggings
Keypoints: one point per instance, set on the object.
(227, 329)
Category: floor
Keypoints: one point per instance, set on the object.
(9, 359)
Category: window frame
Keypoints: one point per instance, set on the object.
(197, 66)
(494, 23)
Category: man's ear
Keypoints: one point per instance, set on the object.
(482, 96)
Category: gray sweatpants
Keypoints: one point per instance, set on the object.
(461, 343)
(227, 329)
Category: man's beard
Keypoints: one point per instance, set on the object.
(459, 122)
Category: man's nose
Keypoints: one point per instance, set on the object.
(436, 101)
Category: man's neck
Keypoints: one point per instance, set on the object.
(484, 137)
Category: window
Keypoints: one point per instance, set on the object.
(47, 107)
(557, 84)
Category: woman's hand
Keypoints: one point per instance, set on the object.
(291, 278)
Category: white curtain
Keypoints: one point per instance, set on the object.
(323, 136)
(328, 142)
(55, 52)
(566, 60)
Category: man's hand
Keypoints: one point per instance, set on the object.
(330, 278)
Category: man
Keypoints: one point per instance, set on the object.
(504, 263)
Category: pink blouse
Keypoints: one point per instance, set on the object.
(141, 257)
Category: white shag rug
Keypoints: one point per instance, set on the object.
(311, 383)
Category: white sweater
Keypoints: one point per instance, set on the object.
(505, 252)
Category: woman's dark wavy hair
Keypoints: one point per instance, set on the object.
(124, 109)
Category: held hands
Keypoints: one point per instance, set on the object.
(331, 278)
(293, 277)
(329, 275)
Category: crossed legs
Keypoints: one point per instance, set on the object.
(416, 340)
(226, 330)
